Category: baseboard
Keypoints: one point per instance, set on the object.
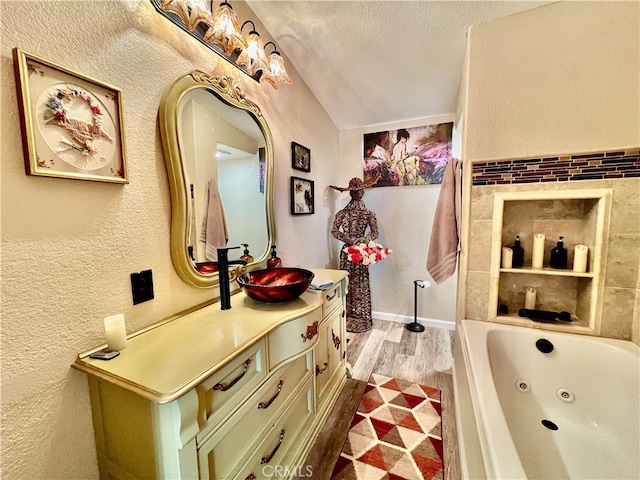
(427, 322)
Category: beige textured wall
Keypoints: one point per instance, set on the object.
(563, 78)
(69, 246)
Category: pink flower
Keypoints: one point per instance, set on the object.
(96, 109)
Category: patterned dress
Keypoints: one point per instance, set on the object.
(349, 226)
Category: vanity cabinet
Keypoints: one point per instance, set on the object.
(330, 353)
(213, 394)
(581, 217)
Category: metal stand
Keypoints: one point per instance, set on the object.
(415, 326)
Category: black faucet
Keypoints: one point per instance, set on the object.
(223, 276)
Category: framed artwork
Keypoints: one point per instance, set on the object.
(302, 199)
(300, 157)
(408, 156)
(72, 125)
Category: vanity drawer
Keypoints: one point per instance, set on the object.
(293, 337)
(332, 299)
(223, 452)
(223, 391)
(270, 460)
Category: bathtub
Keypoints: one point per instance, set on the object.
(573, 412)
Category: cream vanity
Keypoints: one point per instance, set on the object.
(240, 393)
(220, 393)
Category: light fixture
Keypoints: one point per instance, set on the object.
(224, 29)
(253, 56)
(275, 74)
(219, 30)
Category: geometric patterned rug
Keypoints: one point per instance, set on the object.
(396, 434)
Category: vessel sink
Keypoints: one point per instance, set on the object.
(275, 285)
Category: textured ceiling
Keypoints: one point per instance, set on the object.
(373, 62)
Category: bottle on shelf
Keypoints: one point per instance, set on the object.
(246, 256)
(518, 253)
(559, 256)
(274, 261)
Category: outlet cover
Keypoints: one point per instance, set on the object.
(142, 286)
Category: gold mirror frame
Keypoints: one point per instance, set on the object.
(227, 91)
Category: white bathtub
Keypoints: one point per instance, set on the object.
(587, 391)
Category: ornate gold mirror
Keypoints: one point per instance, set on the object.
(219, 154)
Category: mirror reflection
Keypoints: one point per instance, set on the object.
(224, 161)
(219, 154)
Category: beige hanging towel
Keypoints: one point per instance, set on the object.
(214, 225)
(445, 233)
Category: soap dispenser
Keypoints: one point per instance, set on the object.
(518, 253)
(246, 256)
(274, 261)
(559, 255)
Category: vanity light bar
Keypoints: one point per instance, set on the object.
(201, 20)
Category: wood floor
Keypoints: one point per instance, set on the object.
(390, 349)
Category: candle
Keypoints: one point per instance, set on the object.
(538, 250)
(507, 257)
(580, 254)
(530, 298)
(116, 332)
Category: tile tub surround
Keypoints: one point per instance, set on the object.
(562, 168)
(621, 297)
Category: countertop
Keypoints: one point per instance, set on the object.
(168, 359)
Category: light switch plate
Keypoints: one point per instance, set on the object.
(142, 286)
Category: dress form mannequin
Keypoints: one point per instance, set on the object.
(350, 226)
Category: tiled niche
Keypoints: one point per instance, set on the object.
(618, 284)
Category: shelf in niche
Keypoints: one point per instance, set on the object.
(575, 326)
(511, 317)
(547, 271)
(583, 217)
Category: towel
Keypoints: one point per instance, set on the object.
(445, 233)
(214, 225)
(321, 283)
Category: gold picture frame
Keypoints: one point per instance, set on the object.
(72, 125)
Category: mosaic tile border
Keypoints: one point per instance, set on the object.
(591, 166)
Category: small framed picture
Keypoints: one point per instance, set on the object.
(302, 200)
(72, 125)
(300, 157)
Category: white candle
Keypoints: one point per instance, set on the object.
(530, 298)
(116, 332)
(580, 254)
(538, 250)
(507, 257)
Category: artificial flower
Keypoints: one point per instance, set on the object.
(366, 252)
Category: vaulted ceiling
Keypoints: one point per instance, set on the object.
(375, 62)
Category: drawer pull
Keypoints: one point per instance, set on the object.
(332, 295)
(268, 459)
(263, 405)
(336, 340)
(312, 331)
(223, 388)
(319, 370)
(252, 476)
